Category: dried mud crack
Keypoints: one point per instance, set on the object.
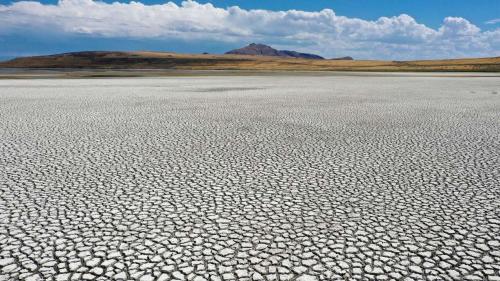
(257, 178)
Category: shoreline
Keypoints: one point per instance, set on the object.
(86, 73)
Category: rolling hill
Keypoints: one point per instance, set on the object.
(173, 61)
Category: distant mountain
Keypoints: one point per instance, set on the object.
(343, 58)
(264, 50)
(92, 60)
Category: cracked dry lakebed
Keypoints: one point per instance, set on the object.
(301, 178)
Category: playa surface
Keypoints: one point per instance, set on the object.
(304, 178)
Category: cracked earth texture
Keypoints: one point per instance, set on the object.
(250, 178)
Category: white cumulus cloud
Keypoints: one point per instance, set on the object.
(324, 32)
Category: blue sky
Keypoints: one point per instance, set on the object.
(412, 29)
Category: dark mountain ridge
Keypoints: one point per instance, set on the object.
(144, 60)
(264, 50)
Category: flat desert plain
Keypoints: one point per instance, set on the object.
(284, 177)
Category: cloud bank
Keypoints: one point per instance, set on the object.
(323, 32)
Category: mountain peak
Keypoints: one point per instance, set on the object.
(257, 49)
